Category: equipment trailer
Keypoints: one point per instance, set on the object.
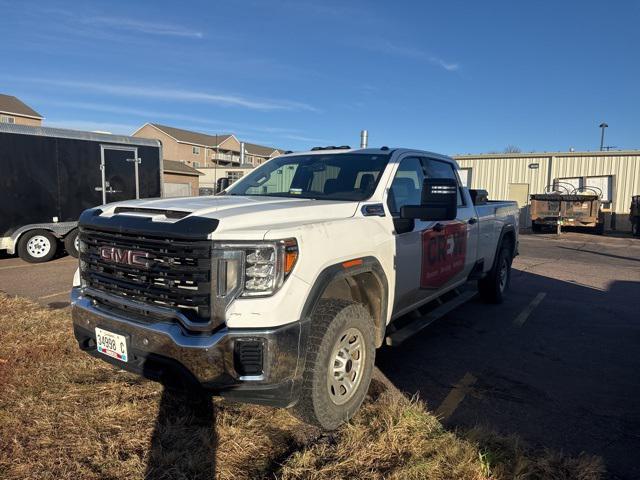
(50, 175)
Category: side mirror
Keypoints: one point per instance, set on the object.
(439, 201)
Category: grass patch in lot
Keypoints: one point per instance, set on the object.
(66, 415)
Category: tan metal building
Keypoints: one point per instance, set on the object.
(14, 110)
(515, 176)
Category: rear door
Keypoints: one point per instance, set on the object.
(431, 256)
(450, 248)
(120, 179)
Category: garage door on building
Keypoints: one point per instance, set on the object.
(177, 189)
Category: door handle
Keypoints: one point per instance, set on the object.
(473, 220)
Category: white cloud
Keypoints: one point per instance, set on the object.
(302, 138)
(390, 48)
(115, 128)
(227, 100)
(190, 121)
(151, 28)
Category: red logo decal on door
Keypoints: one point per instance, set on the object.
(443, 254)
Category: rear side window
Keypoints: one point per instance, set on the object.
(440, 169)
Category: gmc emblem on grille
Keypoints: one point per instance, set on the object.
(124, 256)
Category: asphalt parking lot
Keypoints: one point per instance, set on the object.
(557, 364)
(47, 283)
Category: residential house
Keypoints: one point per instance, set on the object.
(14, 110)
(180, 180)
(215, 156)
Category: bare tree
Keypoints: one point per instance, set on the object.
(512, 149)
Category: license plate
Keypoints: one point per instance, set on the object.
(111, 344)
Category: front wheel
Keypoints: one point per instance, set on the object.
(494, 286)
(635, 227)
(339, 364)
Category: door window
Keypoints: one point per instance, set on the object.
(465, 177)
(406, 188)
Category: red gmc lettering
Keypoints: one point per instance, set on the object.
(124, 256)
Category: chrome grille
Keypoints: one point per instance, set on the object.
(178, 275)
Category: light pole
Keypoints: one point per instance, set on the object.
(603, 125)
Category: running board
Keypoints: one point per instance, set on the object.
(399, 336)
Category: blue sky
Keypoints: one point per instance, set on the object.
(453, 77)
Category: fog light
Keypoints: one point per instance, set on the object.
(248, 357)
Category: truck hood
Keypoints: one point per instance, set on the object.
(236, 212)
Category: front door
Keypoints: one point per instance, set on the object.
(406, 189)
(119, 173)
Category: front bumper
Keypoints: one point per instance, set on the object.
(164, 351)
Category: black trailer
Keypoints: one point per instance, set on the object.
(48, 176)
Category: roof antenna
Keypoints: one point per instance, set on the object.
(364, 139)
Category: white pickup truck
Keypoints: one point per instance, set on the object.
(279, 290)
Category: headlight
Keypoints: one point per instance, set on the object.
(267, 266)
(254, 269)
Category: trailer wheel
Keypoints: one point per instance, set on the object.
(71, 243)
(37, 246)
(494, 286)
(339, 364)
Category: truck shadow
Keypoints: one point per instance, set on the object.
(565, 379)
(184, 440)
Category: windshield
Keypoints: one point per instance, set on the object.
(336, 176)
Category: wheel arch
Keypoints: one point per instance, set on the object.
(507, 234)
(362, 280)
(58, 230)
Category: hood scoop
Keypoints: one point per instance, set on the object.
(172, 214)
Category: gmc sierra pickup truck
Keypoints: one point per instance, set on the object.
(279, 290)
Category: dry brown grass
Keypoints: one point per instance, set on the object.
(65, 415)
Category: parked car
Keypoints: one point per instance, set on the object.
(50, 175)
(280, 290)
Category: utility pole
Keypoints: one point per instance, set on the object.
(603, 125)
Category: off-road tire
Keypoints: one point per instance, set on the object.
(26, 250)
(330, 320)
(70, 243)
(491, 288)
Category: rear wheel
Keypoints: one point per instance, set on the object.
(37, 246)
(71, 243)
(494, 286)
(339, 364)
